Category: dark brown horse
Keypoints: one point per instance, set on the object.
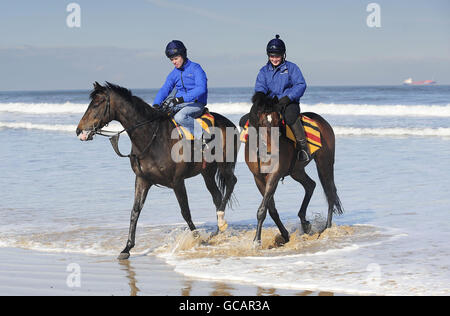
(284, 163)
(150, 133)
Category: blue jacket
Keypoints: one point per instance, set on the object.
(285, 80)
(190, 82)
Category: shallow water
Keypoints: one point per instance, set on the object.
(61, 195)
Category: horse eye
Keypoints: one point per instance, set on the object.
(95, 104)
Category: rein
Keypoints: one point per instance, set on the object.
(114, 139)
(114, 136)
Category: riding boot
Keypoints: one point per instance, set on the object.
(203, 143)
(204, 147)
(300, 137)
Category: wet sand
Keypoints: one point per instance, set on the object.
(27, 272)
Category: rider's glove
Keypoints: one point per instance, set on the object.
(177, 100)
(281, 105)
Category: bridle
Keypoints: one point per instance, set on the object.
(114, 136)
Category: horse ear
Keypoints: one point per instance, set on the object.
(97, 86)
(253, 116)
(259, 98)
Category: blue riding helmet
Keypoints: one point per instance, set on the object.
(276, 46)
(175, 48)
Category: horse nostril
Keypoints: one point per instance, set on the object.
(78, 131)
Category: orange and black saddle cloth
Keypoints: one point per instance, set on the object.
(310, 126)
(206, 121)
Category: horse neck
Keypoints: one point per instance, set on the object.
(129, 117)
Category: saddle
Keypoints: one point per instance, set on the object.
(206, 121)
(310, 126)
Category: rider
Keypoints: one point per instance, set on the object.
(284, 80)
(190, 82)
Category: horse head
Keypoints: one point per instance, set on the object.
(98, 114)
(263, 112)
(264, 117)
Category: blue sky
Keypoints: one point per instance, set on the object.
(124, 41)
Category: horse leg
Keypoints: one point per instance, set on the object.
(211, 185)
(300, 176)
(276, 218)
(270, 188)
(180, 192)
(141, 189)
(272, 209)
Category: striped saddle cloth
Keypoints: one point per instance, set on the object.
(312, 132)
(206, 121)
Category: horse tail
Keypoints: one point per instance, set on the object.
(221, 182)
(327, 180)
(225, 178)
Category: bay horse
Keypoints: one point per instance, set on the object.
(150, 133)
(262, 114)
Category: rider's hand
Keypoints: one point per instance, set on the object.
(177, 100)
(281, 105)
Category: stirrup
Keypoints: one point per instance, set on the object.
(303, 152)
(203, 142)
(204, 145)
(302, 155)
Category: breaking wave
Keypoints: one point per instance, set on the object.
(393, 131)
(49, 127)
(348, 109)
(339, 130)
(43, 108)
(244, 107)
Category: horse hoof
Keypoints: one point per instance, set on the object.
(306, 227)
(123, 256)
(223, 227)
(221, 222)
(195, 234)
(257, 245)
(281, 240)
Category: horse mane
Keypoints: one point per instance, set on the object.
(142, 107)
(262, 103)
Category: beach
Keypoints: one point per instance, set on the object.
(66, 204)
(26, 272)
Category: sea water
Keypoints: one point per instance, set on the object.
(392, 174)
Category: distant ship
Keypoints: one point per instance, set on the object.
(410, 82)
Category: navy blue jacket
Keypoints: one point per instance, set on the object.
(285, 80)
(190, 82)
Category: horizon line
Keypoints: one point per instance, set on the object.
(234, 87)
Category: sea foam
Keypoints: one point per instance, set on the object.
(339, 130)
(244, 107)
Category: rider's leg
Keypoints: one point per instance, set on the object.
(186, 117)
(292, 118)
